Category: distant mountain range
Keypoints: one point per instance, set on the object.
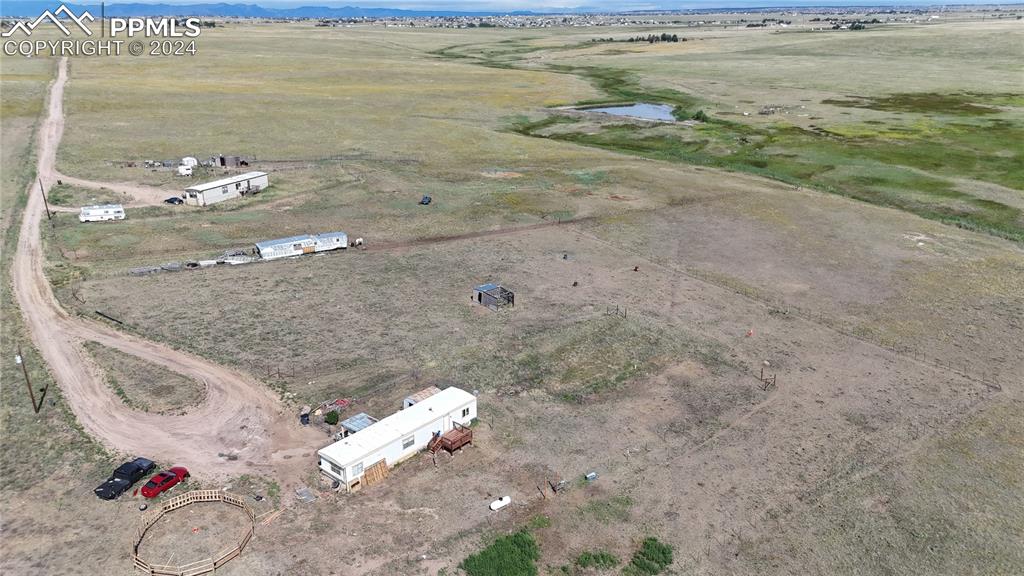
(32, 8)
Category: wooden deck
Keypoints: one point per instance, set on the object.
(453, 439)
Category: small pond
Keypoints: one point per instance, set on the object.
(642, 110)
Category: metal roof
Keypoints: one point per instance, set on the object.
(423, 394)
(103, 207)
(486, 287)
(329, 235)
(358, 422)
(289, 240)
(400, 424)
(225, 181)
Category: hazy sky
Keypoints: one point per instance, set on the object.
(550, 5)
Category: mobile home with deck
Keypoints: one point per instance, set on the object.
(226, 188)
(397, 437)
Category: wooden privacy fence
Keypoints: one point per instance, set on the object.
(207, 565)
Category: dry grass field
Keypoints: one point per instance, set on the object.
(891, 443)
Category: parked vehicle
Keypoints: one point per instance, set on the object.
(426, 200)
(174, 200)
(164, 481)
(123, 477)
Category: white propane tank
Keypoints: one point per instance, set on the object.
(501, 502)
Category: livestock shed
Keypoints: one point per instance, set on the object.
(397, 437)
(493, 296)
(302, 244)
(226, 188)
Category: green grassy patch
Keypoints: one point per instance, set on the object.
(652, 558)
(963, 104)
(598, 559)
(607, 510)
(512, 555)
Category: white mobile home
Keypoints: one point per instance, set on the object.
(285, 247)
(101, 213)
(226, 188)
(302, 244)
(397, 437)
(331, 241)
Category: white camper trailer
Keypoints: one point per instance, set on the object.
(101, 213)
(184, 170)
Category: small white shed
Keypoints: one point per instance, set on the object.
(189, 161)
(101, 212)
(226, 188)
(397, 437)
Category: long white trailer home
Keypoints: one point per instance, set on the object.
(302, 244)
(101, 213)
(397, 437)
(226, 188)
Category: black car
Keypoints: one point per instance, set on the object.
(426, 200)
(123, 477)
(174, 200)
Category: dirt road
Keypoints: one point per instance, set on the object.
(240, 417)
(140, 195)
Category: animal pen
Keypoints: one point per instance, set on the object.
(493, 296)
(206, 565)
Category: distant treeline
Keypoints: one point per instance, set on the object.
(768, 22)
(650, 39)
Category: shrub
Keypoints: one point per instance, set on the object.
(331, 418)
(512, 555)
(700, 116)
(599, 559)
(652, 558)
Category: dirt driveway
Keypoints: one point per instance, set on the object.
(241, 427)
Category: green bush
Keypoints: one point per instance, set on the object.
(652, 558)
(331, 418)
(599, 559)
(512, 555)
(700, 116)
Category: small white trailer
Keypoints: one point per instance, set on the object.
(184, 170)
(101, 213)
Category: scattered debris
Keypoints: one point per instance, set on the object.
(305, 495)
(591, 476)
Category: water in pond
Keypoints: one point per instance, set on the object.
(639, 110)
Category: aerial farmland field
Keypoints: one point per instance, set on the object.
(782, 327)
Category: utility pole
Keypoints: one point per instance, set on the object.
(45, 203)
(19, 359)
